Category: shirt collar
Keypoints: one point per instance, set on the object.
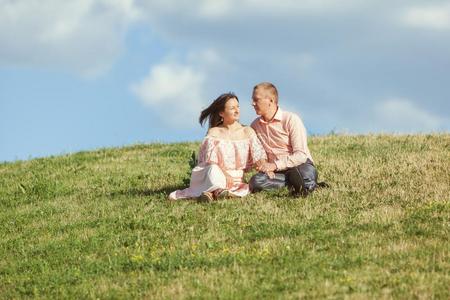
(278, 116)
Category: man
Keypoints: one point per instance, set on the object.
(283, 136)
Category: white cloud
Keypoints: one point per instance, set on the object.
(216, 8)
(305, 7)
(180, 87)
(403, 116)
(391, 115)
(209, 9)
(174, 91)
(81, 35)
(170, 82)
(435, 17)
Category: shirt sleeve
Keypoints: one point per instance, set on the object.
(298, 140)
(257, 151)
(208, 152)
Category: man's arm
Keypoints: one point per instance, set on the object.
(298, 140)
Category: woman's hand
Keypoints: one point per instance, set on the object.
(230, 181)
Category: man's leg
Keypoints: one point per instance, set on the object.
(261, 181)
(302, 179)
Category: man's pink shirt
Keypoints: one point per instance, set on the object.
(284, 139)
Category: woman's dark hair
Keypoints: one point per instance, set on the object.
(212, 111)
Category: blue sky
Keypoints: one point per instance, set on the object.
(84, 74)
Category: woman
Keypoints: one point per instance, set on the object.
(228, 150)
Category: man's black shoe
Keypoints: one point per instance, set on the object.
(295, 183)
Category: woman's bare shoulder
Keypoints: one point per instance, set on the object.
(215, 132)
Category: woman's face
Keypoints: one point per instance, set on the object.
(231, 111)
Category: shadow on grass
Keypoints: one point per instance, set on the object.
(163, 191)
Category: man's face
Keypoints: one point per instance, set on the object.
(262, 101)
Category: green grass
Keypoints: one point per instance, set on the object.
(98, 225)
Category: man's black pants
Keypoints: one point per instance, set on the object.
(301, 180)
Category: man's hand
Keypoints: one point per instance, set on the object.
(259, 163)
(271, 175)
(266, 167)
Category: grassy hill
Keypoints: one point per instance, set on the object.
(98, 225)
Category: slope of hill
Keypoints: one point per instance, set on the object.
(98, 225)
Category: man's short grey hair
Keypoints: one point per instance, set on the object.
(268, 87)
